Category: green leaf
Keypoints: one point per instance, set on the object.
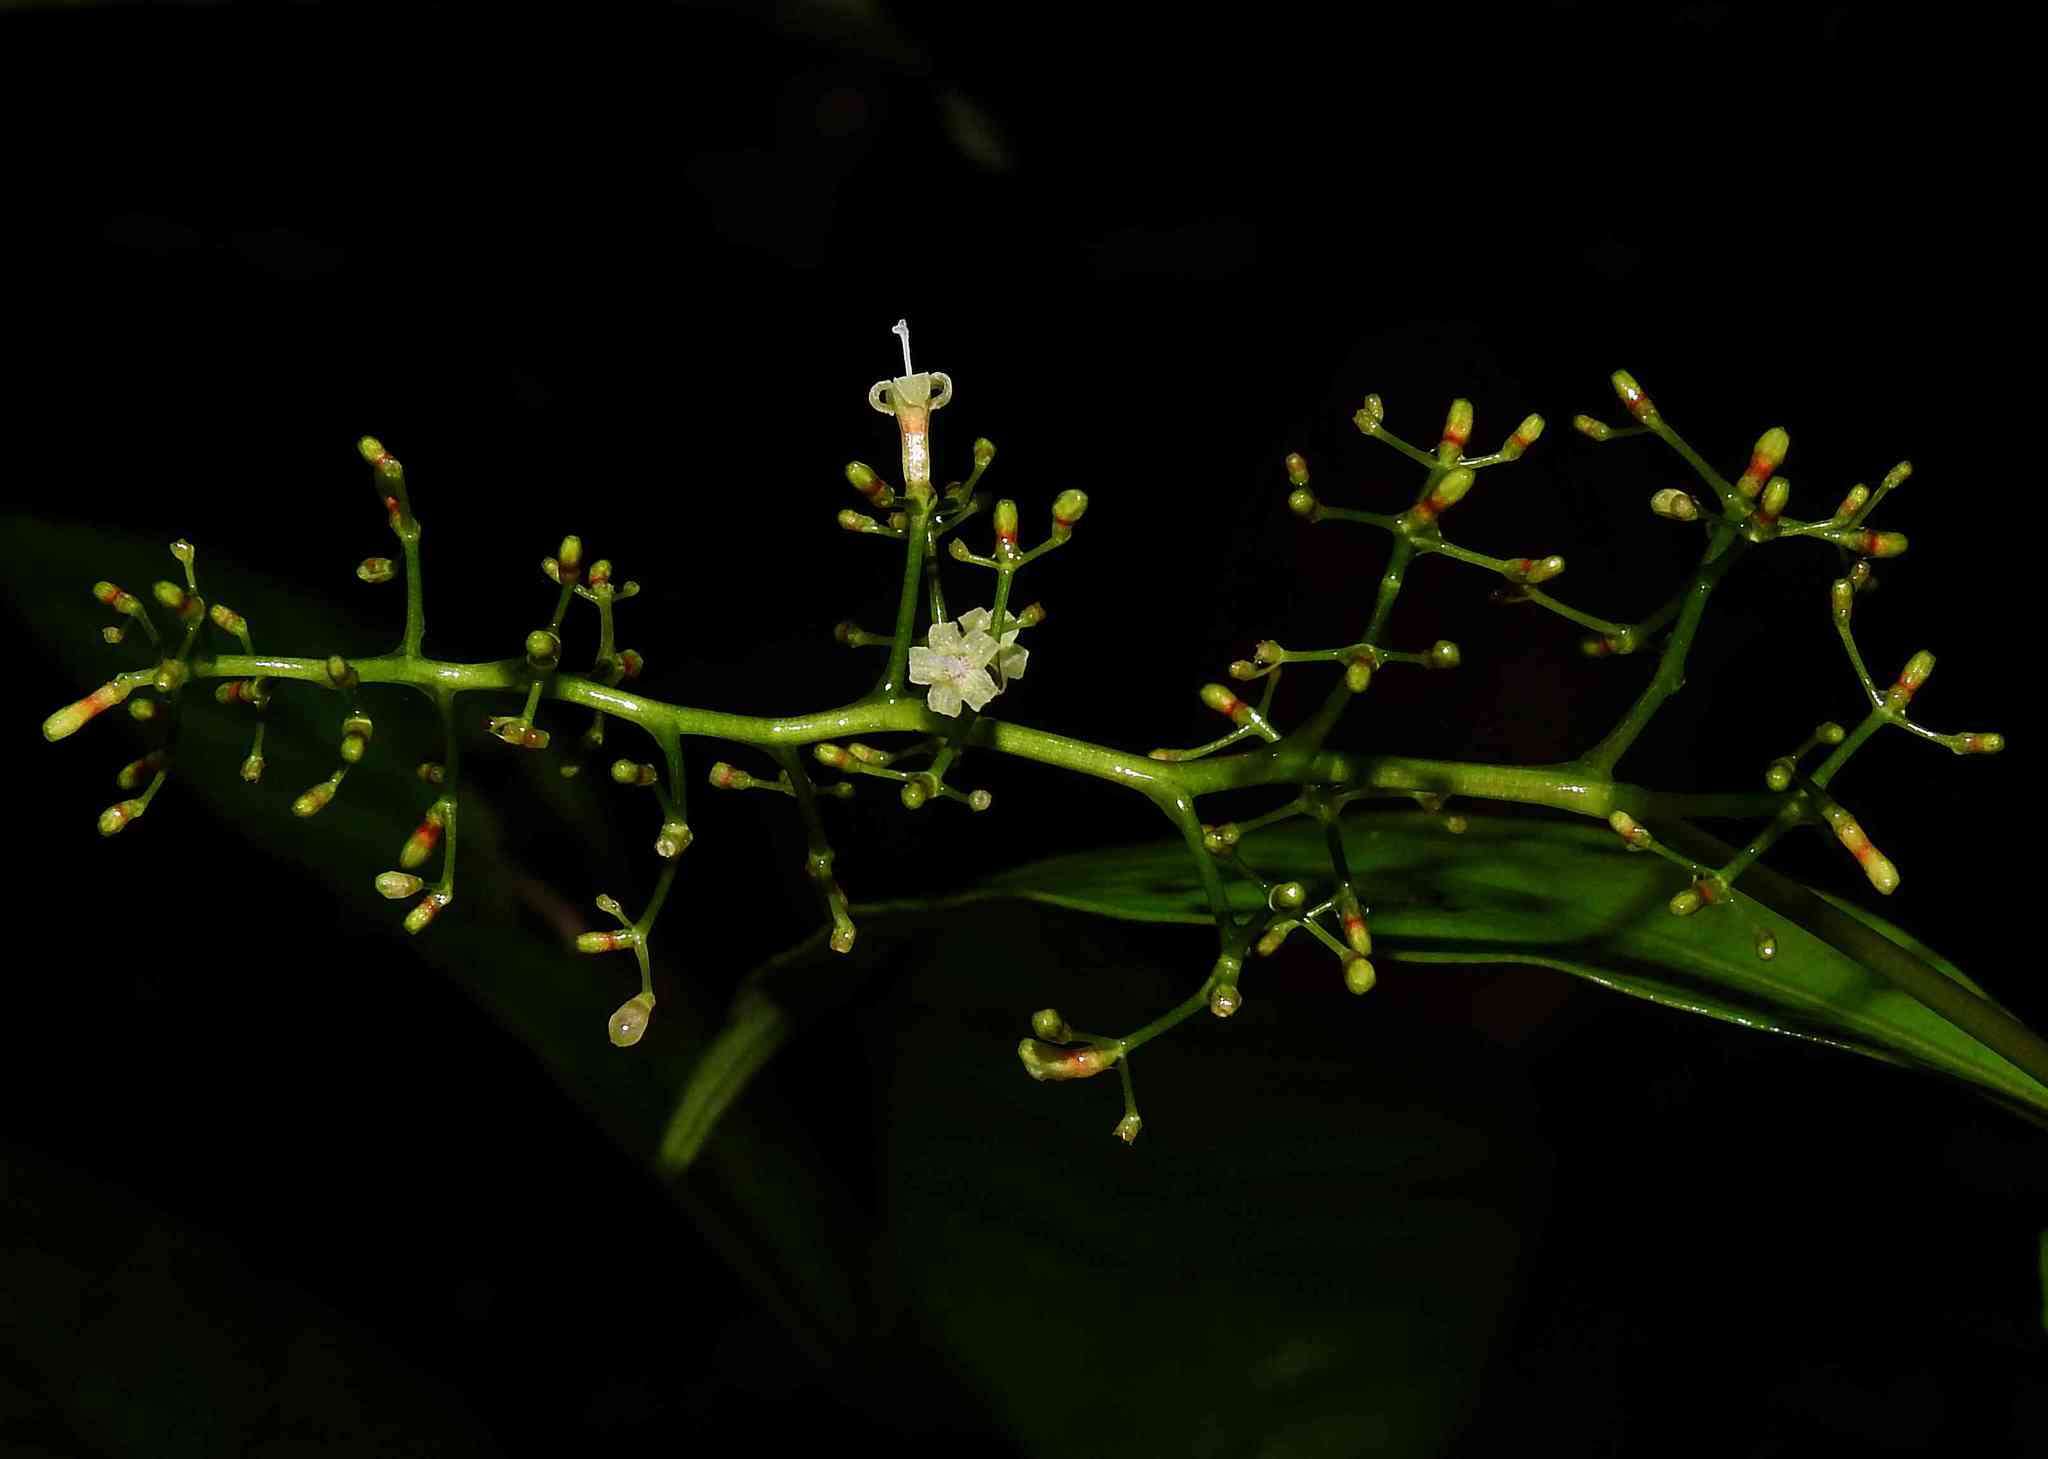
(1565, 896)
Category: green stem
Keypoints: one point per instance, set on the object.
(1722, 551)
(415, 593)
(894, 673)
(1578, 787)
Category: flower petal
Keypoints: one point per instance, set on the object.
(976, 650)
(1012, 662)
(944, 638)
(976, 688)
(926, 666)
(975, 620)
(944, 699)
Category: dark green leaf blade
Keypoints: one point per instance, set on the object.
(1565, 896)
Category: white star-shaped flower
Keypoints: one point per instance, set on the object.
(1010, 659)
(956, 668)
(956, 665)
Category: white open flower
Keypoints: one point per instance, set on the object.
(956, 668)
(1010, 659)
(956, 665)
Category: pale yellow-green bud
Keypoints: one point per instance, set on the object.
(397, 885)
(1067, 509)
(630, 1021)
(1048, 1025)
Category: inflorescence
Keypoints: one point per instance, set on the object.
(935, 687)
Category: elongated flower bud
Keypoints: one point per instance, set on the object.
(1883, 875)
(1227, 704)
(1446, 494)
(1876, 544)
(1534, 570)
(1297, 469)
(569, 561)
(1630, 830)
(1067, 509)
(621, 940)
(227, 620)
(425, 837)
(1631, 394)
(115, 817)
(1046, 1061)
(1457, 431)
(1006, 527)
(1777, 492)
(1909, 681)
(135, 772)
(861, 477)
(1765, 457)
(119, 599)
(1524, 437)
(425, 911)
(627, 772)
(316, 799)
(1596, 430)
(74, 717)
(176, 599)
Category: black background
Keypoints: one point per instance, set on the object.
(630, 272)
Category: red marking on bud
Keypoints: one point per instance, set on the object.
(136, 771)
(1226, 703)
(74, 717)
(421, 843)
(1639, 404)
(1357, 934)
(1457, 426)
(1767, 456)
(724, 776)
(1630, 830)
